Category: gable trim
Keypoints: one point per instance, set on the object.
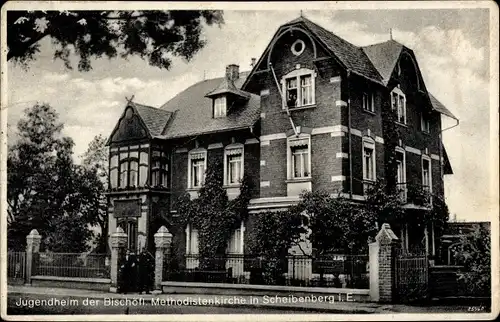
(108, 142)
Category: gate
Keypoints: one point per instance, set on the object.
(412, 276)
(16, 267)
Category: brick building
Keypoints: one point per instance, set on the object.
(308, 116)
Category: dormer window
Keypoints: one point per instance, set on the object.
(220, 106)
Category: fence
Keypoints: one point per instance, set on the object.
(16, 267)
(71, 265)
(348, 271)
(411, 275)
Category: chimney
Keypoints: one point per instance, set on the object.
(253, 62)
(232, 72)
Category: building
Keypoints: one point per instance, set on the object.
(308, 116)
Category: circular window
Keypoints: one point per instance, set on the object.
(298, 47)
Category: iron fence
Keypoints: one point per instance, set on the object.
(349, 271)
(72, 265)
(16, 267)
(411, 275)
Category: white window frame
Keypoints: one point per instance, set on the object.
(220, 106)
(235, 243)
(190, 159)
(291, 143)
(398, 107)
(227, 153)
(400, 150)
(370, 144)
(427, 158)
(425, 124)
(368, 102)
(297, 74)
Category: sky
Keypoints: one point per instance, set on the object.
(451, 45)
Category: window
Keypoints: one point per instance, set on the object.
(398, 103)
(196, 170)
(299, 157)
(298, 88)
(426, 174)
(368, 102)
(126, 170)
(425, 123)
(129, 226)
(192, 241)
(159, 169)
(401, 172)
(234, 245)
(220, 106)
(233, 164)
(369, 160)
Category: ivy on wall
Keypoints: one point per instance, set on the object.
(213, 214)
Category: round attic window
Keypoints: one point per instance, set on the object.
(298, 47)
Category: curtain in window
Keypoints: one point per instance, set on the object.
(306, 86)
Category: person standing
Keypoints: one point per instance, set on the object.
(146, 271)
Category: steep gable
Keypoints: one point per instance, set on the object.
(384, 56)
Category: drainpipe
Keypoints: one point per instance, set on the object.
(349, 132)
(441, 173)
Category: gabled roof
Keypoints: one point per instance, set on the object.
(193, 111)
(384, 57)
(438, 106)
(154, 118)
(353, 57)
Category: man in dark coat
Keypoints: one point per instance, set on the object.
(146, 271)
(129, 273)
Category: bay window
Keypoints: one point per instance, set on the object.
(128, 167)
(298, 88)
(233, 164)
(159, 169)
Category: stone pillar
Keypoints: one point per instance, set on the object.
(163, 240)
(32, 248)
(382, 265)
(118, 244)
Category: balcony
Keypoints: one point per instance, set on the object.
(419, 196)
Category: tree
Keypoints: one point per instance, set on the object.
(96, 159)
(46, 190)
(474, 252)
(153, 35)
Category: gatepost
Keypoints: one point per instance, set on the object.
(163, 239)
(32, 248)
(382, 265)
(118, 245)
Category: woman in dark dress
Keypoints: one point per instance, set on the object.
(146, 271)
(128, 280)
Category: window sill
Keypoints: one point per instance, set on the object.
(369, 112)
(401, 124)
(426, 132)
(193, 189)
(296, 180)
(227, 186)
(305, 107)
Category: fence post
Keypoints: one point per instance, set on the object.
(382, 265)
(32, 248)
(118, 244)
(163, 239)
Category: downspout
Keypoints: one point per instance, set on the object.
(441, 173)
(349, 131)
